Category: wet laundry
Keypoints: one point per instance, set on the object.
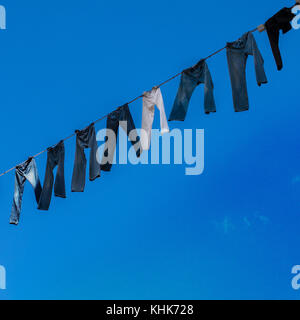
(190, 79)
(26, 171)
(280, 21)
(237, 55)
(55, 158)
(150, 100)
(120, 117)
(85, 139)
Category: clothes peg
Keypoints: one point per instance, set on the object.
(262, 27)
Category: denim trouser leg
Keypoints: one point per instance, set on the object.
(55, 157)
(79, 171)
(209, 99)
(190, 79)
(85, 139)
(59, 185)
(94, 170)
(237, 71)
(184, 94)
(110, 143)
(26, 171)
(130, 129)
(18, 196)
(121, 117)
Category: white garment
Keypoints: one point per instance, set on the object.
(150, 99)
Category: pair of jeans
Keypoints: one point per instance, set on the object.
(55, 157)
(150, 100)
(26, 171)
(120, 117)
(85, 139)
(190, 79)
(280, 21)
(237, 55)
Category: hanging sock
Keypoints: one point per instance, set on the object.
(55, 157)
(190, 79)
(26, 171)
(85, 139)
(280, 21)
(150, 99)
(237, 55)
(120, 117)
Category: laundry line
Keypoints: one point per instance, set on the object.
(130, 102)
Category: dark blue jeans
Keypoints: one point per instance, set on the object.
(237, 55)
(118, 118)
(26, 171)
(85, 139)
(55, 157)
(190, 79)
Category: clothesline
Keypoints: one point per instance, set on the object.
(130, 102)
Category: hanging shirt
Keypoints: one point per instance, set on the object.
(150, 99)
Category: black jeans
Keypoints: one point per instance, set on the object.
(26, 171)
(280, 21)
(85, 139)
(121, 117)
(55, 157)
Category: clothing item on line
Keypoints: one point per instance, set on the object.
(120, 117)
(280, 21)
(55, 157)
(190, 79)
(150, 99)
(26, 171)
(237, 55)
(85, 139)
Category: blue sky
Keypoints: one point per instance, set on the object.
(149, 232)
